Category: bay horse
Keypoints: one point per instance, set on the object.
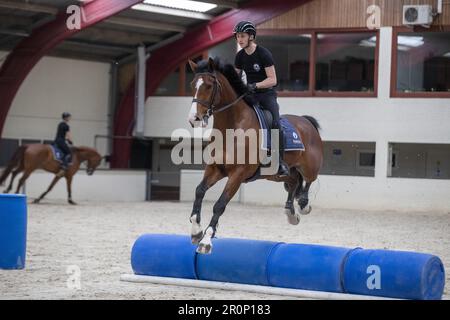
(28, 158)
(218, 90)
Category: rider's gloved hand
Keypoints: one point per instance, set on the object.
(251, 87)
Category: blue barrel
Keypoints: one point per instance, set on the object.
(164, 255)
(237, 260)
(396, 274)
(307, 267)
(13, 231)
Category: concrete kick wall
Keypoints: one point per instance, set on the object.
(103, 185)
(338, 192)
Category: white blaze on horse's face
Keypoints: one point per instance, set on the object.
(193, 117)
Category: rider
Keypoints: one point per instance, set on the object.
(62, 137)
(258, 64)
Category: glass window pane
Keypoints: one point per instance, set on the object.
(423, 62)
(367, 159)
(291, 54)
(420, 160)
(349, 158)
(345, 62)
(169, 86)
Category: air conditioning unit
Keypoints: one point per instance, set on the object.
(417, 15)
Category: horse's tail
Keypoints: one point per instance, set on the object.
(13, 163)
(313, 121)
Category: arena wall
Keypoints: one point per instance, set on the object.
(56, 85)
(104, 185)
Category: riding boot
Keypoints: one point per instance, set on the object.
(283, 169)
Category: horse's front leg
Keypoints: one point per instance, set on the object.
(211, 176)
(69, 188)
(232, 186)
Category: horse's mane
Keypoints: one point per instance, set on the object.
(227, 70)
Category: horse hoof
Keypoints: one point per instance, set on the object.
(293, 218)
(72, 202)
(306, 210)
(195, 238)
(204, 248)
(36, 201)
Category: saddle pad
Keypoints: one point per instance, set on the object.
(58, 154)
(292, 140)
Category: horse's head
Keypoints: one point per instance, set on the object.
(93, 161)
(205, 91)
(92, 157)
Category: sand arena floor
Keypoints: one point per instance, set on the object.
(97, 237)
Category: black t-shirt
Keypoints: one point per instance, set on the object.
(63, 128)
(254, 65)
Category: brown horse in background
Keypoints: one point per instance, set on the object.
(28, 158)
(218, 91)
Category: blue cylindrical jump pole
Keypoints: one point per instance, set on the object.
(396, 274)
(13, 231)
(386, 273)
(308, 267)
(237, 261)
(164, 255)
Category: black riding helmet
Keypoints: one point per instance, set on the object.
(66, 115)
(245, 26)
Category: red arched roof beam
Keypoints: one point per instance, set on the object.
(30, 50)
(165, 59)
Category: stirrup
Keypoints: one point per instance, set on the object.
(283, 170)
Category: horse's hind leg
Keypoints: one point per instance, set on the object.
(303, 200)
(13, 176)
(302, 195)
(22, 180)
(291, 187)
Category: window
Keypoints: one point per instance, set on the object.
(325, 64)
(349, 158)
(292, 58)
(178, 82)
(366, 159)
(421, 64)
(345, 62)
(169, 86)
(308, 63)
(417, 160)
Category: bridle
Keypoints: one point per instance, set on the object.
(210, 105)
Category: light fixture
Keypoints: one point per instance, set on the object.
(188, 5)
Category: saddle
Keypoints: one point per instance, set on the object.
(58, 155)
(292, 139)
